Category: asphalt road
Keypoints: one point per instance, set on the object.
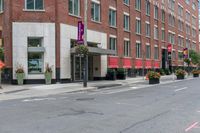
(169, 108)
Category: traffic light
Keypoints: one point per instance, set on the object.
(185, 53)
(169, 51)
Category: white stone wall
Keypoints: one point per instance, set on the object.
(21, 31)
(69, 32)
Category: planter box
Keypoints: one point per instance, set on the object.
(121, 76)
(180, 77)
(195, 75)
(154, 81)
(20, 78)
(48, 77)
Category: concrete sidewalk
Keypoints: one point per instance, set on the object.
(25, 91)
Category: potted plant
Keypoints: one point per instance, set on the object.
(20, 75)
(111, 74)
(154, 77)
(81, 50)
(195, 73)
(180, 74)
(121, 73)
(48, 74)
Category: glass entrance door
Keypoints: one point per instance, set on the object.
(79, 66)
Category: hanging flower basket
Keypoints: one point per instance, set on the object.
(82, 50)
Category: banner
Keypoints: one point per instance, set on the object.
(80, 39)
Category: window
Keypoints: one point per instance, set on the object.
(180, 41)
(35, 56)
(174, 55)
(138, 26)
(126, 2)
(34, 4)
(138, 5)
(180, 55)
(95, 10)
(193, 21)
(171, 20)
(187, 43)
(138, 50)
(187, 16)
(113, 43)
(172, 4)
(163, 35)
(112, 17)
(1, 5)
(126, 23)
(187, 1)
(147, 7)
(148, 51)
(187, 29)
(193, 33)
(74, 7)
(156, 12)
(193, 6)
(156, 53)
(171, 38)
(127, 48)
(148, 30)
(156, 32)
(180, 25)
(163, 16)
(180, 11)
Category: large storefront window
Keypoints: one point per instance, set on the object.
(35, 56)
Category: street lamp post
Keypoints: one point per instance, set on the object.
(85, 43)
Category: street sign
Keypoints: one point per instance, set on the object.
(80, 39)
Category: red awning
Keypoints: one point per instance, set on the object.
(156, 64)
(148, 64)
(127, 63)
(138, 63)
(113, 62)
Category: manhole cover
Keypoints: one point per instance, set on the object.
(84, 99)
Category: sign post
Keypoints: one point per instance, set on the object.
(1, 66)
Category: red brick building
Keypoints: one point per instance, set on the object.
(37, 32)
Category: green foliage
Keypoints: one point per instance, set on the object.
(195, 57)
(187, 61)
(1, 54)
(180, 72)
(82, 50)
(121, 71)
(153, 75)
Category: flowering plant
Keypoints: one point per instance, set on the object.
(180, 72)
(153, 75)
(196, 72)
(82, 50)
(19, 69)
(48, 69)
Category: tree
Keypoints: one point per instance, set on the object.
(195, 57)
(1, 54)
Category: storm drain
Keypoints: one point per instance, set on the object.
(84, 99)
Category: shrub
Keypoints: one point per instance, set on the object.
(195, 72)
(81, 50)
(153, 75)
(162, 72)
(167, 71)
(180, 72)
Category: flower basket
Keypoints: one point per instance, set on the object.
(154, 77)
(154, 81)
(20, 75)
(81, 50)
(48, 74)
(195, 73)
(180, 74)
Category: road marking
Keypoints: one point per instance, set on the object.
(124, 90)
(192, 126)
(181, 89)
(38, 99)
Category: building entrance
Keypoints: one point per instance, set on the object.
(78, 68)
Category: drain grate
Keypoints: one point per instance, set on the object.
(84, 99)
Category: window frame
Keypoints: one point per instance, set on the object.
(26, 9)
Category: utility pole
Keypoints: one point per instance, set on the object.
(85, 43)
